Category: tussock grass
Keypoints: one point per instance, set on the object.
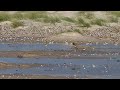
(52, 20)
(99, 22)
(83, 19)
(80, 13)
(78, 30)
(89, 15)
(35, 15)
(113, 19)
(32, 15)
(18, 16)
(23, 15)
(83, 23)
(86, 14)
(116, 13)
(4, 16)
(69, 19)
(16, 24)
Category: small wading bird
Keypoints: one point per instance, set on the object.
(82, 48)
(76, 46)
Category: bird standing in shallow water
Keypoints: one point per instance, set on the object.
(77, 47)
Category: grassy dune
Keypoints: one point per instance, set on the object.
(82, 18)
(46, 23)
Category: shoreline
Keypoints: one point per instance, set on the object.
(61, 38)
(52, 54)
(19, 76)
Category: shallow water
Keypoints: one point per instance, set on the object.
(33, 47)
(94, 68)
(53, 61)
(104, 47)
(54, 47)
(65, 67)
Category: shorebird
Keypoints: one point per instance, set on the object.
(78, 47)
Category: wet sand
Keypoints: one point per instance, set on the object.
(17, 76)
(7, 76)
(52, 54)
(21, 66)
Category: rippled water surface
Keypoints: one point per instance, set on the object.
(96, 68)
(33, 47)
